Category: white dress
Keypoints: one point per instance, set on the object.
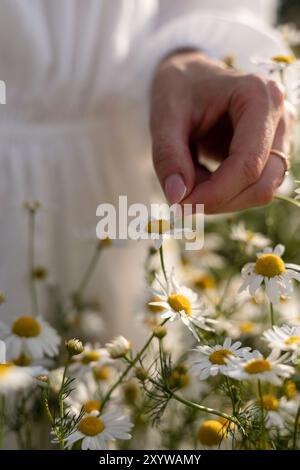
(74, 130)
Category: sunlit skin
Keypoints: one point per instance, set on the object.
(198, 106)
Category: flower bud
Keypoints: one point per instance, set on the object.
(2, 298)
(74, 346)
(132, 392)
(141, 374)
(159, 331)
(119, 347)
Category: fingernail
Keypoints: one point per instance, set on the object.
(175, 189)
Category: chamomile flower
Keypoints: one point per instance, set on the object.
(274, 412)
(240, 233)
(181, 303)
(215, 434)
(212, 360)
(91, 357)
(95, 431)
(284, 338)
(257, 367)
(14, 378)
(275, 64)
(163, 228)
(31, 336)
(84, 397)
(118, 347)
(270, 270)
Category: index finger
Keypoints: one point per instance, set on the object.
(255, 109)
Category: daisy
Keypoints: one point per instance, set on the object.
(160, 229)
(215, 433)
(95, 430)
(275, 64)
(181, 303)
(118, 347)
(14, 378)
(30, 336)
(284, 338)
(277, 412)
(271, 270)
(285, 70)
(240, 233)
(257, 367)
(84, 397)
(91, 357)
(212, 360)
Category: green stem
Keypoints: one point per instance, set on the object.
(27, 431)
(2, 418)
(272, 313)
(162, 262)
(89, 272)
(31, 262)
(288, 199)
(228, 384)
(45, 401)
(132, 363)
(296, 428)
(263, 428)
(61, 400)
(161, 357)
(204, 409)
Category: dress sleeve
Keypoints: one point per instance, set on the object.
(237, 32)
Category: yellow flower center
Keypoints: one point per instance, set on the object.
(256, 366)
(211, 432)
(104, 242)
(284, 58)
(91, 426)
(5, 369)
(270, 403)
(26, 327)
(226, 424)
(205, 282)
(91, 405)
(179, 377)
(159, 226)
(220, 356)
(90, 356)
(247, 327)
(293, 340)
(269, 265)
(39, 273)
(22, 361)
(131, 392)
(179, 302)
(155, 308)
(102, 373)
(290, 389)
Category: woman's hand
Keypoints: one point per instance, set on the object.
(200, 107)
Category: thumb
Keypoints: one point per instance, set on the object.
(173, 161)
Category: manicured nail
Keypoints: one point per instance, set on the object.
(175, 189)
